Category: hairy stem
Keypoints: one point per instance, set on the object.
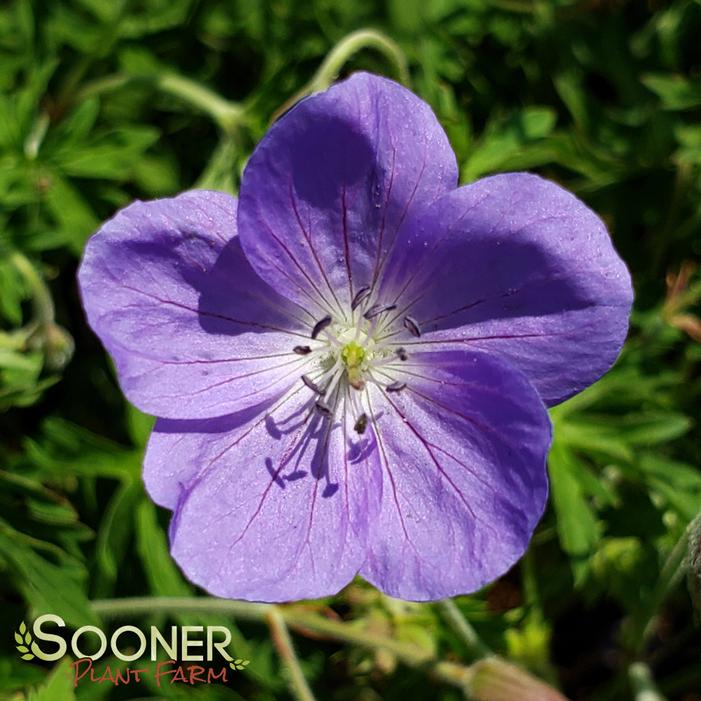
(672, 572)
(283, 644)
(220, 171)
(42, 302)
(462, 627)
(339, 55)
(350, 45)
(225, 113)
(299, 620)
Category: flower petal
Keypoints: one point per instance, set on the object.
(327, 188)
(178, 448)
(278, 509)
(515, 265)
(192, 329)
(463, 451)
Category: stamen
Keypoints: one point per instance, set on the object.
(389, 360)
(334, 381)
(353, 352)
(378, 309)
(360, 296)
(332, 339)
(412, 326)
(321, 325)
(313, 386)
(361, 424)
(323, 408)
(395, 387)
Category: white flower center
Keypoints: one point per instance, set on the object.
(352, 353)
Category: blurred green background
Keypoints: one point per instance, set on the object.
(104, 101)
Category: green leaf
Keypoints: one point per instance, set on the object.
(113, 536)
(139, 425)
(73, 130)
(676, 92)
(71, 211)
(45, 586)
(20, 382)
(502, 141)
(653, 427)
(152, 545)
(111, 156)
(12, 292)
(154, 16)
(594, 436)
(678, 483)
(577, 526)
(569, 87)
(57, 687)
(65, 447)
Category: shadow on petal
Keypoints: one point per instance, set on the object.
(234, 300)
(220, 424)
(348, 156)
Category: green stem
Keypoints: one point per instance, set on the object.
(350, 45)
(103, 85)
(302, 621)
(671, 574)
(462, 627)
(225, 113)
(41, 333)
(41, 297)
(337, 57)
(283, 644)
(220, 171)
(106, 37)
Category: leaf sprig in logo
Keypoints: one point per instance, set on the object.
(239, 664)
(23, 638)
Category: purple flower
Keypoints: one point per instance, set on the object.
(351, 364)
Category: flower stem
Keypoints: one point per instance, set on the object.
(283, 644)
(41, 297)
(225, 113)
(350, 45)
(337, 57)
(220, 171)
(672, 572)
(303, 621)
(467, 634)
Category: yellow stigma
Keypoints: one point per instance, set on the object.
(352, 357)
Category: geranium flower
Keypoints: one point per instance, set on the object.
(351, 364)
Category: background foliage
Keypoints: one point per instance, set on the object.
(104, 101)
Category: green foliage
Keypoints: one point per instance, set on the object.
(104, 101)
(57, 687)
